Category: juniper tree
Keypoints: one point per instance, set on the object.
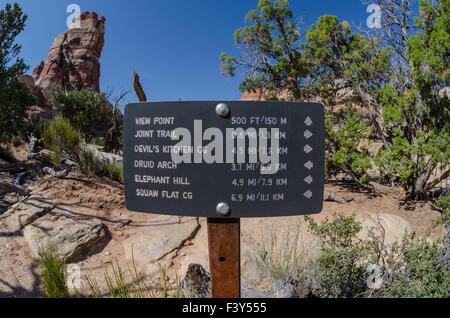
(272, 50)
(395, 75)
(14, 95)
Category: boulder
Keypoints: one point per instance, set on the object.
(197, 253)
(64, 236)
(27, 211)
(395, 227)
(151, 243)
(252, 264)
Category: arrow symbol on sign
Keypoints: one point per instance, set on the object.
(308, 194)
(309, 179)
(309, 165)
(308, 134)
(308, 121)
(308, 149)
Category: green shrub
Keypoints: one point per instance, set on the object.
(87, 111)
(89, 165)
(345, 132)
(444, 203)
(63, 139)
(94, 167)
(414, 268)
(114, 171)
(35, 125)
(352, 267)
(341, 267)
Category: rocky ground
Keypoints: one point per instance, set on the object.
(85, 221)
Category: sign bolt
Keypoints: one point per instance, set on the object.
(223, 209)
(222, 110)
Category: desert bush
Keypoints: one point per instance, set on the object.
(95, 167)
(444, 203)
(87, 111)
(341, 267)
(353, 267)
(66, 143)
(90, 165)
(63, 139)
(114, 171)
(286, 252)
(35, 125)
(414, 268)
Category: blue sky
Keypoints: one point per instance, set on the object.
(173, 44)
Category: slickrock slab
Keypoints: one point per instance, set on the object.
(63, 236)
(27, 211)
(153, 242)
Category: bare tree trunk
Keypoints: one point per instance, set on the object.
(31, 154)
(13, 167)
(59, 174)
(21, 177)
(6, 187)
(421, 181)
(444, 176)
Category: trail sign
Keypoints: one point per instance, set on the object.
(215, 179)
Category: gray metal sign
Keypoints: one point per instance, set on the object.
(224, 159)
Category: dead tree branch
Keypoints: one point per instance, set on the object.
(56, 174)
(138, 88)
(6, 187)
(330, 196)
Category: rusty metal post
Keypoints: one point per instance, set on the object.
(224, 244)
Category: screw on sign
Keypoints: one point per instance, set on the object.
(224, 161)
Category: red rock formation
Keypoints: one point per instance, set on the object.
(260, 95)
(45, 113)
(73, 61)
(343, 95)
